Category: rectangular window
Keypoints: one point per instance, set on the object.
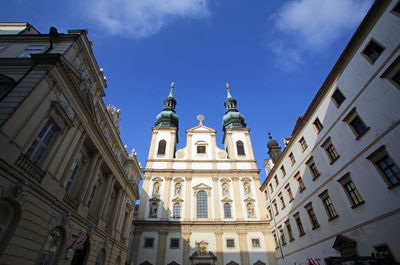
(292, 160)
(386, 167)
(275, 240)
(313, 168)
(148, 242)
(289, 230)
(303, 144)
(281, 200)
(275, 207)
(230, 243)
(202, 207)
(351, 191)
(396, 8)
(41, 142)
(289, 192)
(300, 182)
(270, 212)
(330, 150)
(317, 125)
(271, 188)
(255, 242)
(356, 124)
(174, 243)
(299, 224)
(276, 180)
(282, 235)
(338, 98)
(329, 208)
(372, 51)
(201, 149)
(32, 49)
(311, 214)
(283, 171)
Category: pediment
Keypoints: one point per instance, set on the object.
(246, 179)
(201, 129)
(173, 263)
(259, 262)
(157, 179)
(145, 263)
(177, 199)
(179, 179)
(202, 186)
(248, 199)
(226, 200)
(232, 263)
(225, 180)
(154, 199)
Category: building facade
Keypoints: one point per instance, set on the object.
(201, 204)
(67, 184)
(333, 194)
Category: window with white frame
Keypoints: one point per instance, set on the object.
(202, 207)
(42, 141)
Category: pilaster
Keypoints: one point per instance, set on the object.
(166, 199)
(88, 177)
(244, 253)
(145, 197)
(216, 200)
(188, 198)
(162, 246)
(237, 199)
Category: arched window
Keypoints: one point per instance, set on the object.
(161, 147)
(10, 215)
(227, 210)
(202, 209)
(52, 248)
(240, 147)
(177, 210)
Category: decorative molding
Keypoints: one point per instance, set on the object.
(157, 179)
(248, 199)
(225, 180)
(177, 199)
(226, 200)
(179, 179)
(246, 179)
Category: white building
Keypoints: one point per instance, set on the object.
(334, 191)
(201, 204)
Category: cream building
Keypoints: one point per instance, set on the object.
(201, 204)
(67, 184)
(333, 194)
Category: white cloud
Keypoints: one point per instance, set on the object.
(142, 18)
(310, 25)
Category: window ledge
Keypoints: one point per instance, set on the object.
(333, 218)
(315, 227)
(394, 186)
(300, 235)
(355, 206)
(336, 159)
(291, 200)
(291, 240)
(301, 190)
(314, 178)
(361, 135)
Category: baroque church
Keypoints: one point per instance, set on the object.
(201, 204)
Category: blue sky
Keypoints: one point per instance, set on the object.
(274, 54)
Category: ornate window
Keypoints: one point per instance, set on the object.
(161, 147)
(240, 148)
(227, 210)
(202, 207)
(52, 248)
(75, 170)
(177, 210)
(42, 141)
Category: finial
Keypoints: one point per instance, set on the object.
(227, 85)
(200, 117)
(269, 135)
(172, 89)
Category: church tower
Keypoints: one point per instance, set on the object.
(201, 204)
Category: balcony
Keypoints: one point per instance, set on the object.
(30, 169)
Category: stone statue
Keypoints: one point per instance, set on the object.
(153, 210)
(156, 188)
(178, 189)
(250, 210)
(246, 188)
(225, 189)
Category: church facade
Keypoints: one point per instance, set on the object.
(201, 204)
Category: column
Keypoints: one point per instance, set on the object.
(166, 199)
(88, 178)
(237, 199)
(244, 253)
(162, 246)
(144, 197)
(216, 199)
(270, 248)
(186, 247)
(67, 170)
(107, 204)
(189, 146)
(92, 181)
(219, 246)
(121, 212)
(188, 197)
(260, 199)
(107, 189)
(135, 248)
(117, 207)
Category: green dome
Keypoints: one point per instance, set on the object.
(232, 119)
(167, 118)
